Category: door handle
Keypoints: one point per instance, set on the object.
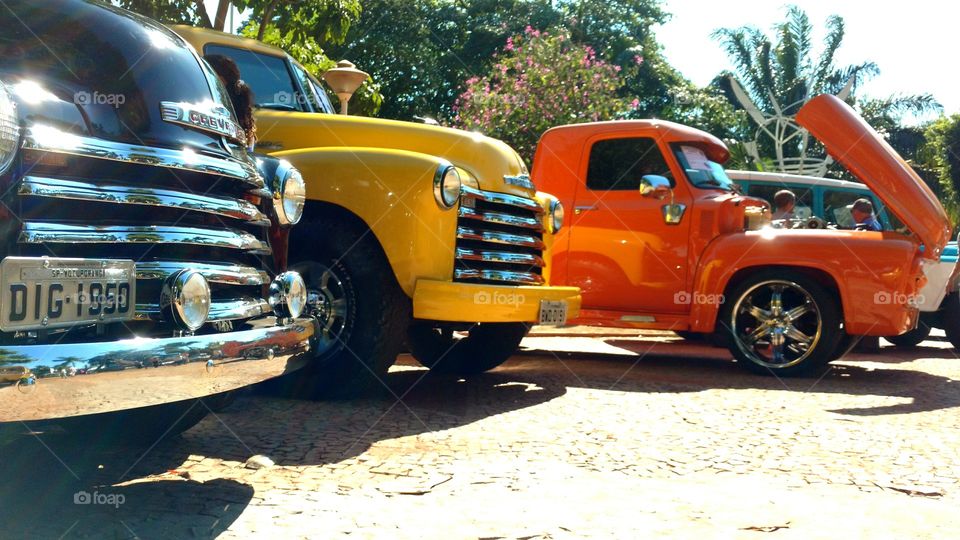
(581, 209)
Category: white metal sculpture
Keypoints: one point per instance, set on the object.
(783, 130)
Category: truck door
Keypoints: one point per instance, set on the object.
(623, 254)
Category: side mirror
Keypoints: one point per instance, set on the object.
(654, 186)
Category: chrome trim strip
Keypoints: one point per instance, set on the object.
(215, 273)
(494, 237)
(525, 278)
(49, 382)
(220, 310)
(57, 233)
(502, 198)
(49, 139)
(501, 219)
(86, 191)
(505, 257)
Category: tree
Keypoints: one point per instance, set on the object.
(539, 81)
(773, 78)
(941, 153)
(169, 11)
(421, 51)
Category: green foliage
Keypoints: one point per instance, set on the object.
(322, 20)
(421, 51)
(167, 11)
(541, 80)
(941, 153)
(781, 73)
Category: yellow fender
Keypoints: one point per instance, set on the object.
(392, 192)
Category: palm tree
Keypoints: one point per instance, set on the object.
(773, 78)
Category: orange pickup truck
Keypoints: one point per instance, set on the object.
(661, 238)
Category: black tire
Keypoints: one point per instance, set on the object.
(358, 304)
(486, 346)
(911, 339)
(846, 344)
(950, 318)
(767, 339)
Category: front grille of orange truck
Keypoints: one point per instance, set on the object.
(499, 239)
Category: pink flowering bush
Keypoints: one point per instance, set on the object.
(539, 80)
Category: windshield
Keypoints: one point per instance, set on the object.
(267, 76)
(700, 171)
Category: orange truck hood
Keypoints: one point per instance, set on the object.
(859, 148)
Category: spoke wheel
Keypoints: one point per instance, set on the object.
(786, 324)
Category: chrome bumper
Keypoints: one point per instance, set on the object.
(46, 382)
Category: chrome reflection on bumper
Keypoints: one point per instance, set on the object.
(45, 382)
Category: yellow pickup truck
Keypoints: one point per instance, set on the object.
(415, 234)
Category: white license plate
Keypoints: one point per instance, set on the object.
(553, 312)
(37, 293)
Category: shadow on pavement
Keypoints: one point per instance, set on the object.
(688, 370)
(343, 429)
(66, 487)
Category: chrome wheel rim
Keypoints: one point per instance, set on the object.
(776, 324)
(327, 301)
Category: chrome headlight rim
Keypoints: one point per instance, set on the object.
(557, 215)
(178, 307)
(289, 194)
(9, 129)
(447, 186)
(288, 295)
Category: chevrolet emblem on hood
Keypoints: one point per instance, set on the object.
(204, 116)
(522, 180)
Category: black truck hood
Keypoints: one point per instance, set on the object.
(96, 70)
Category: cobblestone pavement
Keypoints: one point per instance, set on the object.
(617, 435)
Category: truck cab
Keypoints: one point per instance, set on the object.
(662, 238)
(442, 241)
(141, 244)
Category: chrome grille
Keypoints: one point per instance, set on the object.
(499, 239)
(166, 209)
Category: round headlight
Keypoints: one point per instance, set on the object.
(288, 295)
(446, 186)
(556, 215)
(9, 129)
(289, 194)
(185, 299)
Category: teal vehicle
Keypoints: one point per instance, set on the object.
(825, 198)
(829, 199)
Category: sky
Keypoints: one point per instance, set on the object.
(913, 43)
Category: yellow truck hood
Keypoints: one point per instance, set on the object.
(486, 159)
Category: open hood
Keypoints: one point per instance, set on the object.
(858, 147)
